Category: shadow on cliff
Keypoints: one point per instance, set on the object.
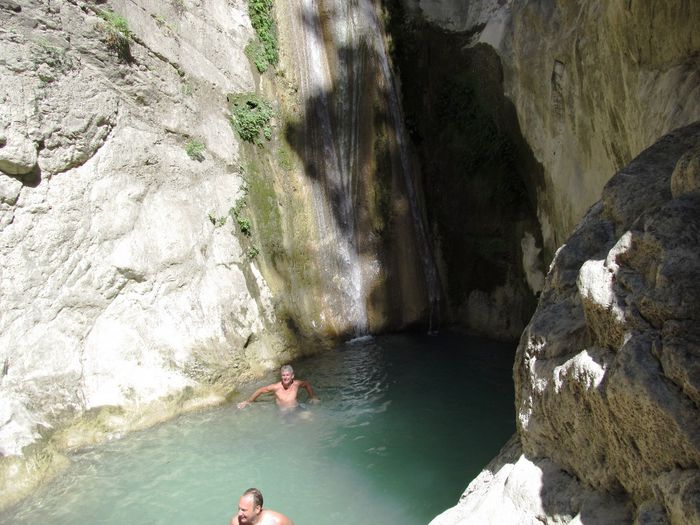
(349, 139)
(30, 180)
(473, 178)
(480, 176)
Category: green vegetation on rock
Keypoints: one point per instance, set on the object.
(118, 34)
(285, 159)
(195, 150)
(250, 117)
(263, 204)
(263, 53)
(255, 51)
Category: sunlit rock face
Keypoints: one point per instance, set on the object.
(594, 85)
(151, 259)
(606, 374)
(120, 283)
(612, 393)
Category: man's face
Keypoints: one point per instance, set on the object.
(287, 378)
(247, 510)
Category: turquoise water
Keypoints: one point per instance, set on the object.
(404, 423)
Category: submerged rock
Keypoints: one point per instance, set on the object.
(606, 373)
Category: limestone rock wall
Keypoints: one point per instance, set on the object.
(606, 373)
(593, 84)
(612, 393)
(119, 284)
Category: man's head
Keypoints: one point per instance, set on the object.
(250, 506)
(287, 373)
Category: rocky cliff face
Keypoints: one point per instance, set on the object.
(540, 103)
(592, 85)
(173, 222)
(606, 373)
(121, 284)
(130, 283)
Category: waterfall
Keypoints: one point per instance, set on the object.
(423, 241)
(342, 63)
(331, 181)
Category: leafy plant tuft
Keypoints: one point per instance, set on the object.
(265, 52)
(195, 150)
(118, 34)
(250, 117)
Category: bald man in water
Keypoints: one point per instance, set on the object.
(285, 390)
(251, 512)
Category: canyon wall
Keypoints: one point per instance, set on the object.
(520, 112)
(592, 85)
(128, 291)
(345, 237)
(176, 221)
(152, 259)
(606, 371)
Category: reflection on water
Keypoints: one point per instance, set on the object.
(404, 423)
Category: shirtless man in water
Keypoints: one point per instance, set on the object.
(285, 390)
(251, 512)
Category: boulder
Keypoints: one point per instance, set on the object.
(606, 373)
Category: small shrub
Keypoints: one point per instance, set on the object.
(250, 116)
(195, 150)
(217, 222)
(255, 52)
(260, 12)
(244, 225)
(252, 252)
(118, 34)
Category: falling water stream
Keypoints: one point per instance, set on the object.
(404, 423)
(333, 198)
(345, 75)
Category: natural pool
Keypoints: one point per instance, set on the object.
(404, 423)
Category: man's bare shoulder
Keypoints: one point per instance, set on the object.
(271, 517)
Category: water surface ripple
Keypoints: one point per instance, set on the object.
(404, 424)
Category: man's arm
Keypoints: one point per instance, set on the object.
(256, 394)
(310, 391)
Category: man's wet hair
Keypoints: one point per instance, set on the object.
(287, 368)
(257, 496)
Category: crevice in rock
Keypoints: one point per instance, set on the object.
(480, 178)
